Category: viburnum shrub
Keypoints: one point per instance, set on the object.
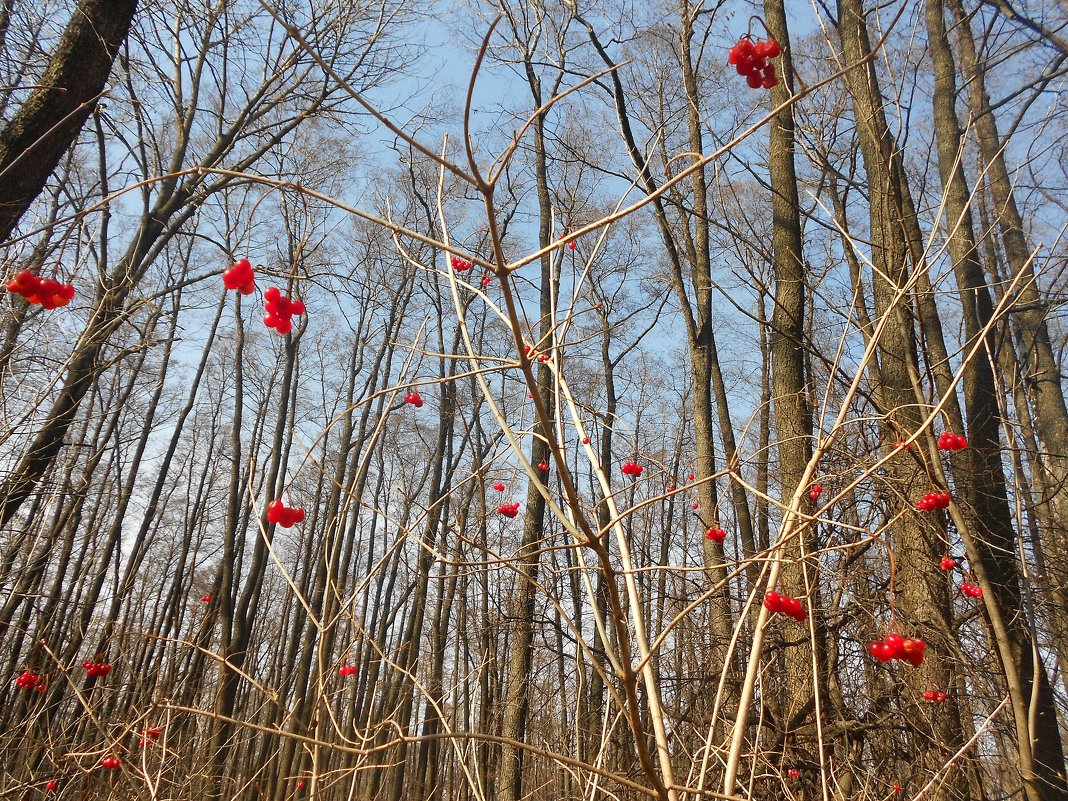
(240, 277)
(716, 535)
(750, 57)
(784, 604)
(951, 442)
(894, 646)
(282, 515)
(281, 310)
(28, 680)
(932, 501)
(46, 292)
(96, 668)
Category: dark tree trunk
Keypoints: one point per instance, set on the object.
(46, 125)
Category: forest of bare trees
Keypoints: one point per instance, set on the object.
(673, 401)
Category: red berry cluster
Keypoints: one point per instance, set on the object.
(751, 60)
(96, 668)
(932, 501)
(205, 599)
(151, 735)
(460, 265)
(47, 292)
(951, 442)
(894, 646)
(284, 516)
(717, 535)
(971, 590)
(280, 310)
(632, 469)
(793, 773)
(935, 696)
(784, 604)
(111, 763)
(508, 509)
(499, 486)
(815, 492)
(346, 670)
(947, 563)
(240, 277)
(542, 466)
(29, 680)
(414, 398)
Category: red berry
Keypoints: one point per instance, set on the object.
(691, 477)
(486, 281)
(499, 486)
(696, 505)
(300, 784)
(912, 651)
(772, 48)
(754, 80)
(793, 773)
(896, 644)
(880, 651)
(414, 398)
(282, 515)
(717, 535)
(543, 466)
(28, 680)
(571, 245)
(275, 510)
(585, 440)
(947, 563)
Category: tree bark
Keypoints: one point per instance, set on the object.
(48, 122)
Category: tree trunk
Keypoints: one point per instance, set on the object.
(48, 122)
